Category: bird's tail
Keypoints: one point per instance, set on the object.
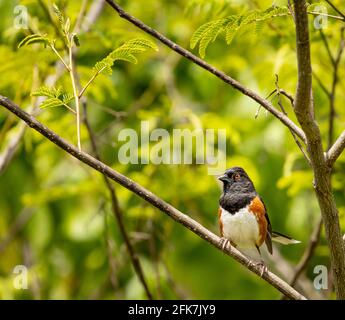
(283, 239)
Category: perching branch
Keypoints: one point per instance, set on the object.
(321, 171)
(221, 75)
(151, 198)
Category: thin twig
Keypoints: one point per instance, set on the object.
(68, 67)
(332, 96)
(109, 247)
(315, 13)
(35, 285)
(326, 44)
(322, 86)
(278, 91)
(117, 211)
(19, 223)
(336, 9)
(151, 198)
(287, 95)
(89, 82)
(75, 94)
(221, 75)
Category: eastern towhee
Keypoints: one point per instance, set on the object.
(243, 218)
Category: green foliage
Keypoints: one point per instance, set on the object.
(33, 38)
(125, 52)
(56, 97)
(65, 24)
(231, 25)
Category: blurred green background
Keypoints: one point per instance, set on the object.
(57, 211)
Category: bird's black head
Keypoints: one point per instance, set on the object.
(236, 180)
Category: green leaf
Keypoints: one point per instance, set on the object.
(209, 31)
(60, 17)
(45, 91)
(67, 26)
(56, 97)
(231, 30)
(33, 38)
(52, 92)
(51, 103)
(67, 97)
(125, 52)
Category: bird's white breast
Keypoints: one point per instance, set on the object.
(241, 228)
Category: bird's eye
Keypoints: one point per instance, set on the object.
(237, 177)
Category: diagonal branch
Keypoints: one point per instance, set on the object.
(151, 198)
(336, 9)
(335, 151)
(221, 75)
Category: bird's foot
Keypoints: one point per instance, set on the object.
(224, 243)
(263, 267)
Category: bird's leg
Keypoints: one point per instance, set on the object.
(250, 263)
(224, 242)
(263, 267)
(261, 264)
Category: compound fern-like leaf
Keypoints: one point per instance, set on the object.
(125, 52)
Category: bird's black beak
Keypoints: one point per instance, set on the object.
(224, 178)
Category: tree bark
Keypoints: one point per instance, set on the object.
(321, 171)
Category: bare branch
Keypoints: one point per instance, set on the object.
(278, 91)
(221, 75)
(332, 96)
(315, 13)
(335, 151)
(336, 9)
(151, 198)
(287, 95)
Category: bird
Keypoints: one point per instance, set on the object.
(243, 218)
